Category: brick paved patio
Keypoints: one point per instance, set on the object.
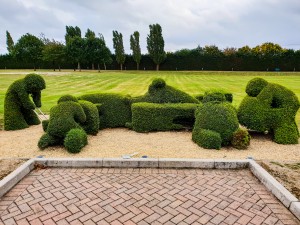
(141, 196)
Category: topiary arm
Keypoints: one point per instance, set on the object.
(79, 115)
(24, 97)
(36, 97)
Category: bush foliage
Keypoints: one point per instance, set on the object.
(219, 117)
(114, 109)
(75, 140)
(208, 139)
(241, 139)
(270, 108)
(160, 92)
(18, 106)
(91, 125)
(161, 117)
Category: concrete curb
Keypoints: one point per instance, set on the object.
(14, 177)
(287, 199)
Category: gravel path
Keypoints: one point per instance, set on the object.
(121, 141)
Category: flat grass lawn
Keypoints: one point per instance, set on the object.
(135, 83)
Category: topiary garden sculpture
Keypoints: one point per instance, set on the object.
(18, 106)
(270, 108)
(216, 122)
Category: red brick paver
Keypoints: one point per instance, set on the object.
(142, 196)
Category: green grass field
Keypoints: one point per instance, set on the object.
(135, 83)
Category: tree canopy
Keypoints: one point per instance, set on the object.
(136, 48)
(119, 48)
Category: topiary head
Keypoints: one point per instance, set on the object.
(34, 83)
(66, 98)
(255, 86)
(157, 83)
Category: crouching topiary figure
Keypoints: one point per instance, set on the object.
(216, 123)
(64, 126)
(18, 107)
(270, 108)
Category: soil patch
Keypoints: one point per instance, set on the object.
(9, 165)
(287, 173)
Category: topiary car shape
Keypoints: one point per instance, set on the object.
(18, 107)
(270, 108)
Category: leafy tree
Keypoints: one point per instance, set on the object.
(156, 44)
(103, 53)
(119, 48)
(268, 49)
(9, 42)
(29, 49)
(90, 34)
(135, 47)
(212, 50)
(54, 52)
(72, 32)
(90, 47)
(75, 50)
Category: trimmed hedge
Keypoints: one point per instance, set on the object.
(208, 139)
(160, 92)
(217, 95)
(75, 140)
(91, 125)
(161, 117)
(66, 98)
(18, 107)
(241, 139)
(272, 110)
(46, 140)
(114, 109)
(219, 117)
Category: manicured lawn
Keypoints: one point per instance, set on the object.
(136, 83)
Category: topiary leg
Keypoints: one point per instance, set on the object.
(207, 138)
(286, 134)
(46, 140)
(30, 117)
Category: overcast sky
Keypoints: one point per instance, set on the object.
(185, 23)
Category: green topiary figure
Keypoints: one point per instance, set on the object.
(215, 124)
(65, 117)
(270, 108)
(18, 107)
(160, 92)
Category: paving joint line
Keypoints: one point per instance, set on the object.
(278, 190)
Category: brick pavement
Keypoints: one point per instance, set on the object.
(142, 196)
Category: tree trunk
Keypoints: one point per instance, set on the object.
(137, 66)
(121, 66)
(93, 67)
(104, 66)
(157, 67)
(34, 69)
(59, 68)
(78, 66)
(98, 68)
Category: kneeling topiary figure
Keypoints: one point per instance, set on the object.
(64, 126)
(216, 122)
(270, 108)
(18, 107)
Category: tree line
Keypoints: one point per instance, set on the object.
(90, 51)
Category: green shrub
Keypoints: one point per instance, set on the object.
(18, 107)
(273, 109)
(208, 139)
(114, 109)
(45, 125)
(161, 117)
(91, 125)
(159, 92)
(241, 139)
(255, 86)
(75, 140)
(46, 140)
(64, 117)
(219, 117)
(228, 97)
(66, 98)
(287, 134)
(199, 97)
(213, 96)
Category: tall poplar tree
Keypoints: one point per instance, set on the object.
(135, 47)
(9, 42)
(156, 44)
(119, 48)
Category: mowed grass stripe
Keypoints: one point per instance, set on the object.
(136, 83)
